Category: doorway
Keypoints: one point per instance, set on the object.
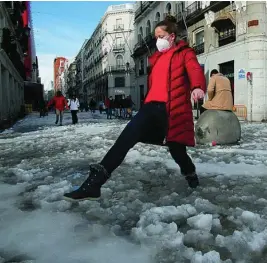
(228, 70)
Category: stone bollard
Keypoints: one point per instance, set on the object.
(222, 127)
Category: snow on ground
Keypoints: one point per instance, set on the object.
(147, 213)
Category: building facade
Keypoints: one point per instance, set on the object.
(67, 78)
(229, 36)
(30, 58)
(232, 37)
(147, 15)
(14, 46)
(80, 91)
(71, 80)
(108, 66)
(59, 67)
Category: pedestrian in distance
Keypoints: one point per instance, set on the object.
(60, 103)
(166, 117)
(74, 108)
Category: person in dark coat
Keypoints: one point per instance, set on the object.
(166, 117)
(92, 105)
(42, 108)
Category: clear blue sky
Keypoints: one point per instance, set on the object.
(60, 29)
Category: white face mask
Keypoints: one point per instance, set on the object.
(163, 44)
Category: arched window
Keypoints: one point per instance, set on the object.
(141, 31)
(148, 28)
(157, 18)
(168, 8)
(119, 60)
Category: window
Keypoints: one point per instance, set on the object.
(119, 60)
(118, 21)
(148, 28)
(199, 37)
(157, 19)
(119, 82)
(199, 41)
(141, 67)
(119, 24)
(119, 41)
(141, 31)
(168, 8)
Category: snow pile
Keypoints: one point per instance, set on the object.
(147, 213)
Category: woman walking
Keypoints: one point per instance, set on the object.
(166, 117)
(60, 103)
(74, 108)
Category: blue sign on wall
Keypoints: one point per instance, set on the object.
(241, 74)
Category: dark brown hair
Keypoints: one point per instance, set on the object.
(214, 71)
(169, 25)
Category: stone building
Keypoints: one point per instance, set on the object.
(108, 66)
(231, 37)
(12, 52)
(147, 15)
(227, 35)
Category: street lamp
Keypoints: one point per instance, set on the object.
(27, 31)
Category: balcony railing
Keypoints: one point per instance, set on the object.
(227, 37)
(118, 47)
(118, 27)
(117, 68)
(193, 8)
(199, 49)
(144, 6)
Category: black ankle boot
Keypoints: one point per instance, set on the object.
(192, 180)
(91, 188)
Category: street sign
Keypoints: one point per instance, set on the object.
(241, 74)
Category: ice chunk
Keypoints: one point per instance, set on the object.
(206, 206)
(194, 236)
(254, 221)
(242, 243)
(210, 257)
(201, 221)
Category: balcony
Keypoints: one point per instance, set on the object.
(199, 49)
(117, 68)
(195, 13)
(143, 44)
(226, 37)
(145, 5)
(119, 48)
(193, 9)
(119, 27)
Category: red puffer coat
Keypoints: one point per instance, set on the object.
(59, 103)
(185, 75)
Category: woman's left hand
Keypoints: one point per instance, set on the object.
(197, 94)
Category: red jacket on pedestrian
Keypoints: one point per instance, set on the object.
(107, 103)
(185, 75)
(59, 103)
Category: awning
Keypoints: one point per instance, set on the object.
(223, 22)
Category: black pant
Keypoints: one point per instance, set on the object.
(109, 113)
(149, 123)
(74, 116)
